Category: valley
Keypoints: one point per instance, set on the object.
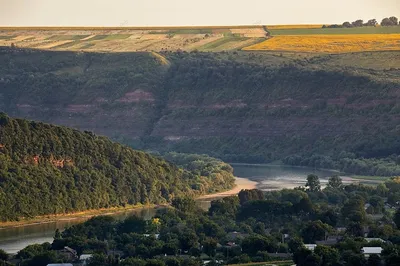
(240, 106)
(200, 145)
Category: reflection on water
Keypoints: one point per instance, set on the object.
(14, 239)
(270, 177)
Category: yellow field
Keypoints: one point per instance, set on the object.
(299, 26)
(330, 43)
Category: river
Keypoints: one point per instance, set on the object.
(269, 177)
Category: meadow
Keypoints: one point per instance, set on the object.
(330, 43)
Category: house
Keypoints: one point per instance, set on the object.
(310, 246)
(149, 235)
(375, 239)
(371, 250)
(83, 259)
(208, 261)
(68, 253)
(340, 229)
(330, 241)
(60, 264)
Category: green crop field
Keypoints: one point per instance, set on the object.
(215, 44)
(339, 31)
(118, 37)
(184, 31)
(66, 37)
(6, 37)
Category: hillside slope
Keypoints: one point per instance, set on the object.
(253, 107)
(47, 169)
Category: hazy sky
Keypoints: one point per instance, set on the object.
(189, 12)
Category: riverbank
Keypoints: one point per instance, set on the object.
(84, 215)
(240, 183)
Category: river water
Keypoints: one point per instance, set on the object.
(269, 178)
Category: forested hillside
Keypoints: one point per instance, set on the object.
(47, 169)
(239, 106)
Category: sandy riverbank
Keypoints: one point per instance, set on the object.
(240, 183)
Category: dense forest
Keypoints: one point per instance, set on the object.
(276, 227)
(46, 169)
(239, 106)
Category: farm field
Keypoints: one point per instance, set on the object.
(285, 38)
(133, 39)
(330, 43)
(337, 31)
(298, 26)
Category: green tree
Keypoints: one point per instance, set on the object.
(305, 205)
(355, 229)
(314, 231)
(184, 204)
(3, 255)
(246, 195)
(358, 23)
(188, 239)
(295, 244)
(353, 210)
(313, 183)
(43, 259)
(210, 247)
(394, 20)
(371, 23)
(374, 260)
(155, 262)
(329, 256)
(396, 218)
(172, 262)
(133, 224)
(301, 255)
(335, 182)
(133, 262)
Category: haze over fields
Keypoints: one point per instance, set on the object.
(180, 12)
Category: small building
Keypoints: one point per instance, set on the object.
(149, 235)
(310, 246)
(371, 250)
(330, 240)
(69, 254)
(370, 239)
(60, 264)
(208, 261)
(341, 229)
(84, 258)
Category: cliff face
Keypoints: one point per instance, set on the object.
(253, 107)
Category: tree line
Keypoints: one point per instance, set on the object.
(391, 21)
(254, 226)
